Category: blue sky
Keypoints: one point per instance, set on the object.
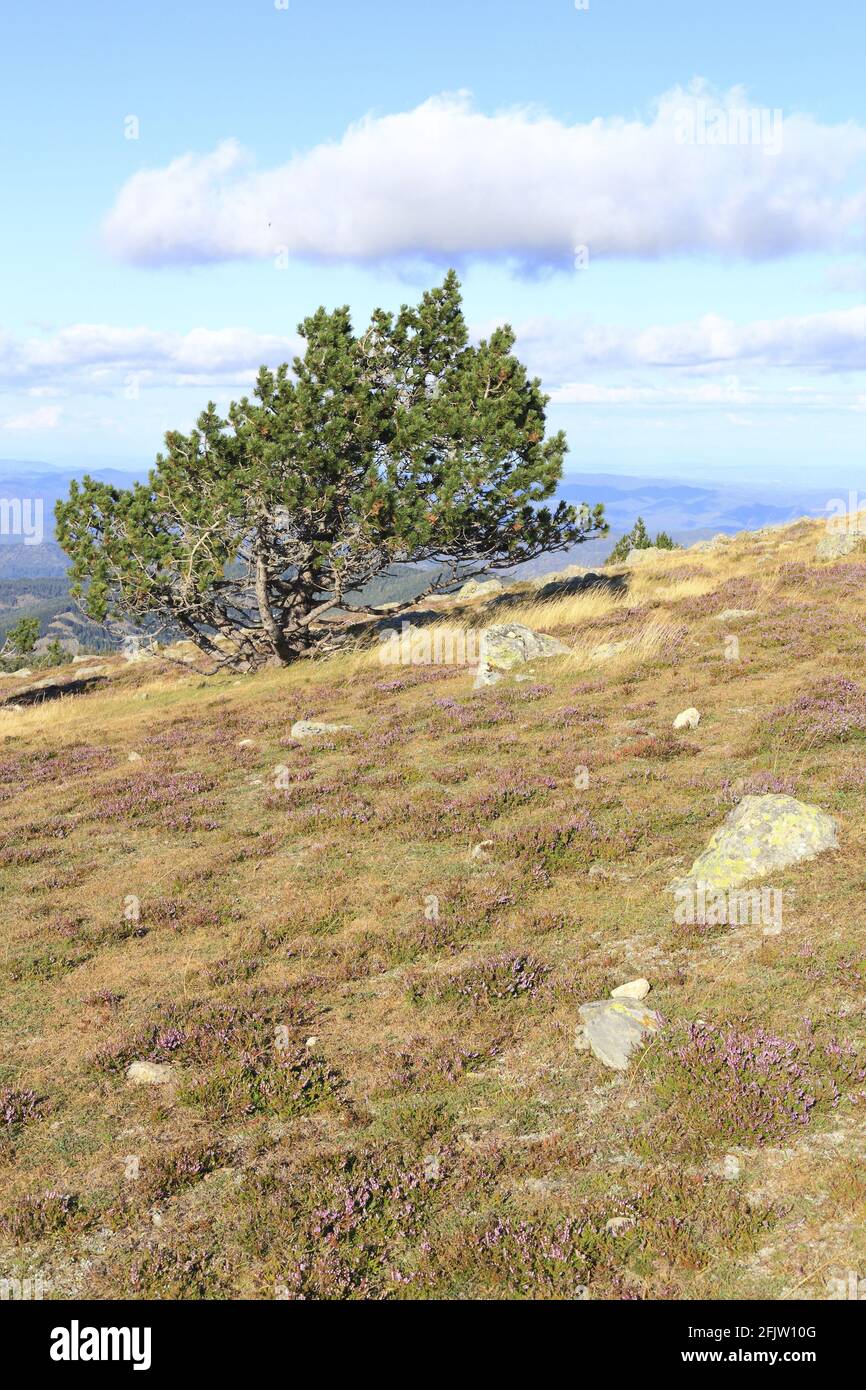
(709, 159)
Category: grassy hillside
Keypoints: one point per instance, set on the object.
(361, 958)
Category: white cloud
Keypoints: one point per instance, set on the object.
(445, 181)
(47, 417)
(826, 342)
(579, 361)
(98, 354)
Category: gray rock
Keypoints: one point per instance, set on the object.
(614, 1028)
(730, 615)
(639, 555)
(508, 645)
(689, 719)
(760, 835)
(148, 1073)
(606, 652)
(838, 543)
(308, 728)
(479, 588)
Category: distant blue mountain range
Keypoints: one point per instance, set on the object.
(688, 511)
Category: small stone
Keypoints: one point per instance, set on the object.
(634, 989)
(311, 1042)
(731, 1167)
(245, 743)
(688, 719)
(731, 615)
(134, 758)
(431, 1167)
(148, 1073)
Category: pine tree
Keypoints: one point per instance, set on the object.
(638, 538)
(405, 445)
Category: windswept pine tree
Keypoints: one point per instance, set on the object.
(404, 445)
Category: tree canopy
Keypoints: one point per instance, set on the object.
(405, 444)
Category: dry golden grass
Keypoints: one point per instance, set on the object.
(362, 959)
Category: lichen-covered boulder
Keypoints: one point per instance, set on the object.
(614, 1028)
(508, 645)
(309, 728)
(760, 835)
(838, 543)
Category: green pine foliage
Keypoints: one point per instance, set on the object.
(402, 445)
(638, 538)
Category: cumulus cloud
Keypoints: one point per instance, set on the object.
(705, 172)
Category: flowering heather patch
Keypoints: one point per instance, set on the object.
(158, 796)
(756, 784)
(512, 975)
(17, 1107)
(576, 714)
(171, 1172)
(347, 1227)
(279, 1083)
(204, 1031)
(423, 1062)
(31, 769)
(186, 1271)
(541, 850)
(725, 1085)
(740, 592)
(836, 968)
(37, 1216)
(832, 710)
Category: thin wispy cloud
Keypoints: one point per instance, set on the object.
(834, 341)
(709, 364)
(704, 173)
(98, 352)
